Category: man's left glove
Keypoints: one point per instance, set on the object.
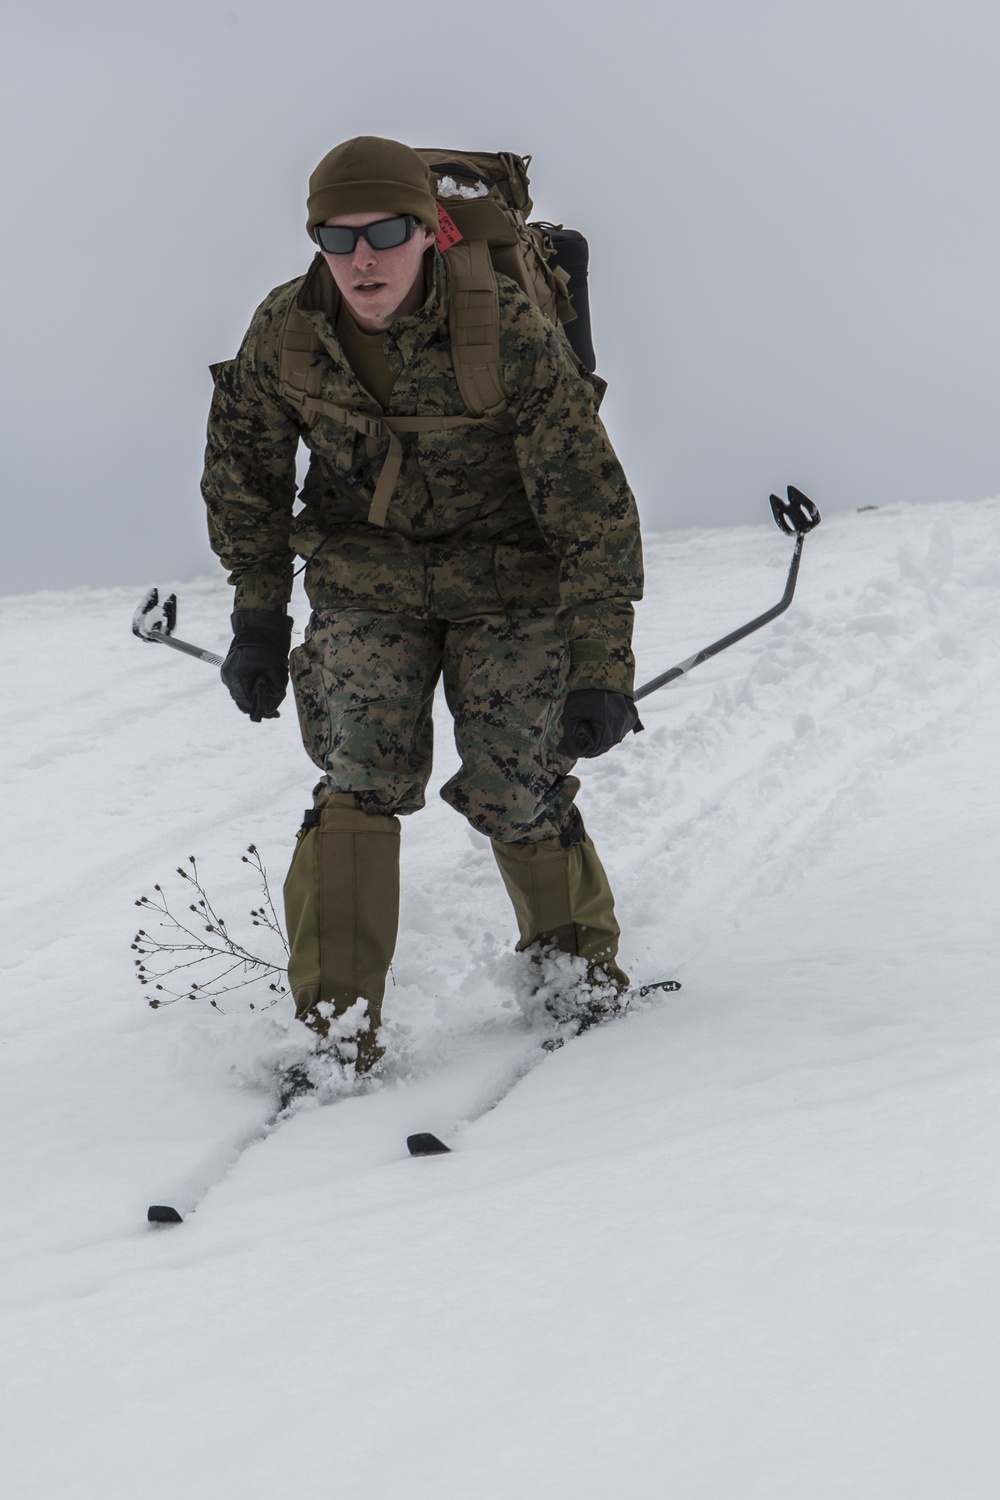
(594, 720)
(256, 668)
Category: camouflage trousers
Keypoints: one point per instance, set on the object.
(364, 686)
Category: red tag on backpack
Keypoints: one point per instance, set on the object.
(448, 233)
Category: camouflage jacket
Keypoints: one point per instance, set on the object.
(479, 523)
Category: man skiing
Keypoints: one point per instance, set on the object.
(502, 553)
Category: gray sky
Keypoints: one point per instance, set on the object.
(791, 206)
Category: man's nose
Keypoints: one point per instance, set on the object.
(364, 255)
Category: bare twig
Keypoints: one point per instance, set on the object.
(206, 940)
(265, 916)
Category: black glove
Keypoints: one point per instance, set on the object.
(256, 669)
(595, 719)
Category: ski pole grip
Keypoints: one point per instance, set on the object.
(797, 514)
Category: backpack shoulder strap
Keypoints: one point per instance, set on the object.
(474, 317)
(299, 371)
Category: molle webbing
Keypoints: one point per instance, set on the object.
(474, 317)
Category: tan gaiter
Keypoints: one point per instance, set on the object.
(562, 896)
(342, 908)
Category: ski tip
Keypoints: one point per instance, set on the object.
(425, 1144)
(669, 986)
(162, 1213)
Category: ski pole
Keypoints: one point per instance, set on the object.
(796, 516)
(154, 621)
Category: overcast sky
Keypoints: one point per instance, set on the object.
(791, 205)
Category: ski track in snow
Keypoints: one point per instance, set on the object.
(742, 1243)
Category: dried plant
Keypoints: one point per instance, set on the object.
(203, 942)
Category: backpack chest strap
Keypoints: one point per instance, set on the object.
(383, 427)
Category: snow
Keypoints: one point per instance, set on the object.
(449, 188)
(743, 1243)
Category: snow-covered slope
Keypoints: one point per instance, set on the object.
(742, 1244)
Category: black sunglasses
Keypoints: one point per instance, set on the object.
(385, 234)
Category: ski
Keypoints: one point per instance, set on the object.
(669, 986)
(423, 1143)
(162, 1213)
(289, 1087)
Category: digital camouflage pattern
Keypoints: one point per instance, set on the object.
(364, 685)
(480, 522)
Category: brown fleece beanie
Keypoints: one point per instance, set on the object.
(371, 175)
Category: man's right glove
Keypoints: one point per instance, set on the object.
(594, 720)
(256, 668)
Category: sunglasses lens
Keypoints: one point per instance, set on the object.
(336, 239)
(385, 234)
(388, 233)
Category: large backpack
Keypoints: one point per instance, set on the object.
(486, 196)
(483, 203)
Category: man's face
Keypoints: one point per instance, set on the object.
(379, 285)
